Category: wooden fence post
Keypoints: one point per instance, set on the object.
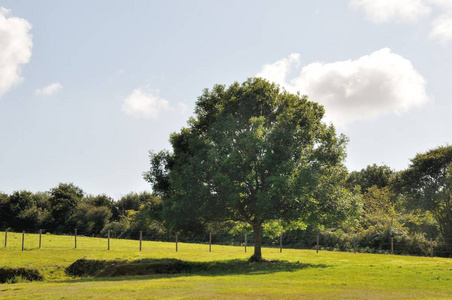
(141, 238)
(392, 245)
(280, 243)
(246, 241)
(6, 237)
(318, 244)
(354, 246)
(23, 238)
(108, 247)
(176, 242)
(40, 237)
(75, 239)
(210, 242)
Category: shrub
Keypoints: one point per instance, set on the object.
(13, 275)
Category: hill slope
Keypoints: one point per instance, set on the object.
(299, 273)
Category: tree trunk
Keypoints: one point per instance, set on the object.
(257, 256)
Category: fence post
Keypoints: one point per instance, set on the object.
(176, 242)
(280, 243)
(354, 246)
(392, 245)
(23, 238)
(318, 244)
(40, 237)
(75, 239)
(246, 241)
(141, 238)
(431, 248)
(210, 242)
(108, 248)
(6, 236)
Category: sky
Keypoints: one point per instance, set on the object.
(87, 88)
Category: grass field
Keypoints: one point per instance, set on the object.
(323, 275)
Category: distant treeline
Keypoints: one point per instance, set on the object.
(66, 207)
(394, 206)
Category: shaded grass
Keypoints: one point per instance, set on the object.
(115, 268)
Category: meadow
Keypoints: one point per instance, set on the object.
(293, 273)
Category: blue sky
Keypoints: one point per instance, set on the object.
(87, 88)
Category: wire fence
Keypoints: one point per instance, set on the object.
(32, 240)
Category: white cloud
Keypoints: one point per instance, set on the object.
(141, 104)
(410, 11)
(372, 85)
(402, 11)
(442, 4)
(442, 28)
(278, 71)
(49, 90)
(442, 24)
(15, 49)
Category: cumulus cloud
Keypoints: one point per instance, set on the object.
(15, 49)
(141, 104)
(442, 28)
(278, 71)
(372, 85)
(443, 4)
(49, 90)
(442, 24)
(383, 11)
(411, 11)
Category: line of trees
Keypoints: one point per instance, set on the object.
(66, 207)
(388, 209)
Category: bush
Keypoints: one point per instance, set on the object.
(10, 275)
(103, 268)
(86, 268)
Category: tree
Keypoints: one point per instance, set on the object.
(23, 212)
(427, 184)
(133, 201)
(63, 201)
(89, 219)
(147, 219)
(104, 201)
(99, 200)
(379, 176)
(252, 153)
(4, 210)
(379, 208)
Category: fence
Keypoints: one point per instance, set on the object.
(35, 240)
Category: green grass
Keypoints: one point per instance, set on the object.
(322, 275)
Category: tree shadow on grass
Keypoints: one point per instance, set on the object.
(101, 270)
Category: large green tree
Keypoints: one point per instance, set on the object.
(427, 184)
(252, 153)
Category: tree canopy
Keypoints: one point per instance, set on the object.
(372, 175)
(253, 153)
(64, 199)
(427, 183)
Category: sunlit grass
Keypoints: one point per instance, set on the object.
(329, 275)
